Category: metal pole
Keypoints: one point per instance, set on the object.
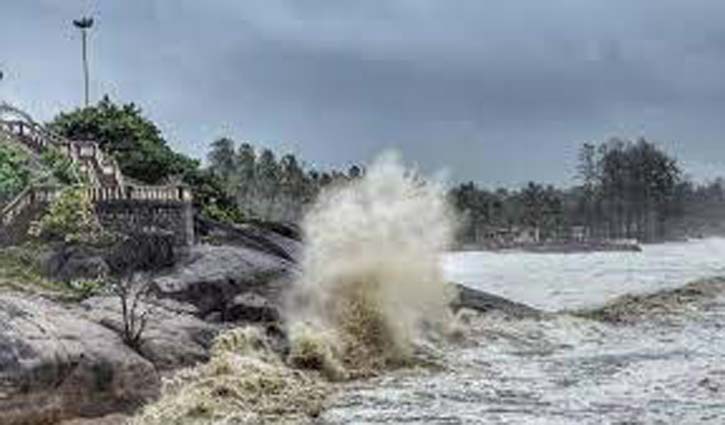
(85, 64)
(84, 24)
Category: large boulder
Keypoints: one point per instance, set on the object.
(69, 262)
(212, 276)
(276, 239)
(251, 307)
(142, 251)
(57, 364)
(173, 337)
(483, 302)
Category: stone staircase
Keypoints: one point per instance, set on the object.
(106, 183)
(98, 168)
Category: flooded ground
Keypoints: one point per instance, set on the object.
(662, 369)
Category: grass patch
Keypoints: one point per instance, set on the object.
(20, 270)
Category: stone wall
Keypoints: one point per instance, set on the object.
(125, 216)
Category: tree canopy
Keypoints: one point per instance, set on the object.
(124, 132)
(629, 189)
(14, 172)
(266, 186)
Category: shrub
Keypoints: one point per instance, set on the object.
(21, 269)
(133, 293)
(224, 214)
(86, 288)
(71, 218)
(14, 173)
(61, 166)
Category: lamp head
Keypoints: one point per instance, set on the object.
(83, 23)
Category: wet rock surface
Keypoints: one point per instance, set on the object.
(632, 308)
(210, 276)
(252, 307)
(68, 361)
(484, 302)
(71, 262)
(173, 338)
(55, 363)
(275, 239)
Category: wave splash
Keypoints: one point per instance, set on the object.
(370, 290)
(371, 283)
(663, 304)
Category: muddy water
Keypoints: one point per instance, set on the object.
(563, 369)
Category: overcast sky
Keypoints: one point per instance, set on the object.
(494, 91)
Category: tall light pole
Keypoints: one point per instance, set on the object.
(84, 24)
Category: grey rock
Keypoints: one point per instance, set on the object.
(484, 302)
(142, 251)
(70, 262)
(251, 307)
(173, 337)
(56, 364)
(276, 239)
(211, 276)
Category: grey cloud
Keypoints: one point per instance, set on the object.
(498, 92)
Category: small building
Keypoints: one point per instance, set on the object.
(579, 233)
(515, 235)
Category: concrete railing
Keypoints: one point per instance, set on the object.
(32, 134)
(177, 193)
(81, 152)
(106, 182)
(16, 207)
(33, 195)
(171, 193)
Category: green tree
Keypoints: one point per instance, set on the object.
(267, 183)
(245, 176)
(14, 172)
(589, 173)
(222, 159)
(211, 197)
(61, 167)
(629, 188)
(533, 199)
(71, 217)
(124, 132)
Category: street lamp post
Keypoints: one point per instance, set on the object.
(84, 24)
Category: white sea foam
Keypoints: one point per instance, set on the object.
(370, 272)
(566, 369)
(563, 281)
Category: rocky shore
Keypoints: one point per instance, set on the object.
(64, 360)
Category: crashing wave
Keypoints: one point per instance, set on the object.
(632, 308)
(245, 382)
(371, 283)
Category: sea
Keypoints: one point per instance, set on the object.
(563, 368)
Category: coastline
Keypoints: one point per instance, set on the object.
(559, 247)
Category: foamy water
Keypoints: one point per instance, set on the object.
(565, 370)
(563, 281)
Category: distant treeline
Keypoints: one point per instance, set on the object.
(267, 187)
(625, 189)
(239, 183)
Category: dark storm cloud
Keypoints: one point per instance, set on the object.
(493, 91)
